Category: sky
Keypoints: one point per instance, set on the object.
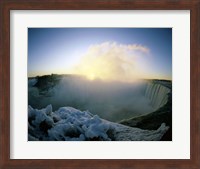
(101, 53)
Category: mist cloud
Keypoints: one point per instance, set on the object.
(111, 61)
(110, 100)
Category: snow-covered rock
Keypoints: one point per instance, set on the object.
(70, 124)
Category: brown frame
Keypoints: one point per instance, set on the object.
(7, 5)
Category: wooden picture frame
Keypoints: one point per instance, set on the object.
(7, 5)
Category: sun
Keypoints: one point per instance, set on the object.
(91, 76)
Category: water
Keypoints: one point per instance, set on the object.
(113, 101)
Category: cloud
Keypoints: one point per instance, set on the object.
(111, 61)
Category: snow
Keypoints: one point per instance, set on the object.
(70, 124)
(125, 133)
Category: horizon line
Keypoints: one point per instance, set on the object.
(96, 78)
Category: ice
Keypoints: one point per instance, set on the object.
(41, 116)
(70, 124)
(95, 127)
(31, 138)
(125, 133)
(48, 110)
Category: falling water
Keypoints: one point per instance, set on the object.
(157, 94)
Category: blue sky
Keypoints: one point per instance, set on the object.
(61, 50)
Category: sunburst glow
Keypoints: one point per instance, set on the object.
(111, 61)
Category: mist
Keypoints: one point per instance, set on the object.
(112, 100)
(112, 61)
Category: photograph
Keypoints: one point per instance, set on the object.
(99, 84)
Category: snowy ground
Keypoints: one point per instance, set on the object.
(69, 124)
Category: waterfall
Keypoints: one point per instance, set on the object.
(157, 94)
